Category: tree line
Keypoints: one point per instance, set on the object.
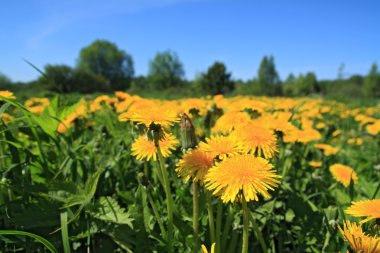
(103, 67)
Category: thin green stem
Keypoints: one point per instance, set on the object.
(158, 217)
(195, 217)
(210, 217)
(376, 191)
(227, 227)
(259, 235)
(244, 248)
(169, 199)
(218, 225)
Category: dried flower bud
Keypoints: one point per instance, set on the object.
(188, 137)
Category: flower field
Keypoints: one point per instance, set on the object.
(122, 173)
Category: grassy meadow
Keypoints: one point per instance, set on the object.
(124, 173)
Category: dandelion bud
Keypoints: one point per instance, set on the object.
(188, 137)
(142, 179)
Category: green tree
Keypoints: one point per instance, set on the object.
(306, 85)
(267, 77)
(57, 78)
(217, 80)
(106, 59)
(64, 79)
(288, 86)
(5, 82)
(165, 70)
(371, 86)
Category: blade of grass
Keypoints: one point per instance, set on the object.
(38, 238)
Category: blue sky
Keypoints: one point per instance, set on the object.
(302, 35)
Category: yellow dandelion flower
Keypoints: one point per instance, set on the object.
(195, 164)
(327, 149)
(358, 241)
(368, 208)
(336, 133)
(144, 149)
(204, 249)
(156, 115)
(230, 120)
(343, 174)
(374, 129)
(302, 136)
(355, 141)
(246, 173)
(315, 164)
(6, 94)
(67, 123)
(6, 117)
(320, 125)
(258, 139)
(221, 146)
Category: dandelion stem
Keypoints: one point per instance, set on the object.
(195, 216)
(210, 217)
(169, 199)
(218, 225)
(259, 235)
(245, 226)
(158, 218)
(227, 227)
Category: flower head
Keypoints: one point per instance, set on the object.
(367, 208)
(327, 149)
(315, 164)
(230, 120)
(258, 139)
(142, 148)
(221, 146)
(204, 249)
(358, 241)
(343, 174)
(155, 115)
(246, 173)
(6, 94)
(195, 164)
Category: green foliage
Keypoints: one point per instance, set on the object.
(165, 70)
(105, 59)
(64, 79)
(301, 86)
(267, 77)
(5, 82)
(371, 86)
(216, 80)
